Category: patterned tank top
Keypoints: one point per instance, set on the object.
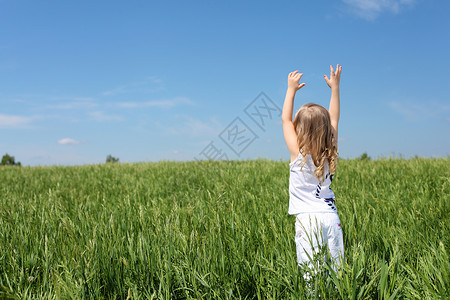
(306, 193)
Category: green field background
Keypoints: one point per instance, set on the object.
(218, 230)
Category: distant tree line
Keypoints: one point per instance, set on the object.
(8, 160)
(364, 156)
(111, 159)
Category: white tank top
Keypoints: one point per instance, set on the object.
(306, 193)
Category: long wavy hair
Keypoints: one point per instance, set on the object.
(315, 137)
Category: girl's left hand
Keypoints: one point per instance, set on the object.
(293, 81)
(335, 77)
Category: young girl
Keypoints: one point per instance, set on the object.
(312, 142)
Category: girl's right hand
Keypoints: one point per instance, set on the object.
(293, 81)
(335, 77)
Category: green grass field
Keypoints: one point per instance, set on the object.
(218, 230)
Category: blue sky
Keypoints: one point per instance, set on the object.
(171, 80)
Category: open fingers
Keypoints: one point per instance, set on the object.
(296, 77)
(331, 71)
(338, 70)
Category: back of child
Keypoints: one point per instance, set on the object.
(312, 142)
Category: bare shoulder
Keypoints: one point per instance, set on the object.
(335, 133)
(290, 137)
(294, 156)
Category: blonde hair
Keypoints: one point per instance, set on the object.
(315, 137)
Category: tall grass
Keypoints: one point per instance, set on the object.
(218, 229)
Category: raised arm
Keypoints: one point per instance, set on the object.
(334, 109)
(290, 135)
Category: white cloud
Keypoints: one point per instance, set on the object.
(73, 103)
(414, 111)
(166, 103)
(100, 116)
(68, 141)
(149, 85)
(77, 99)
(189, 126)
(11, 121)
(371, 9)
(18, 101)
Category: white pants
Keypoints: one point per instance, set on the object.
(312, 232)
